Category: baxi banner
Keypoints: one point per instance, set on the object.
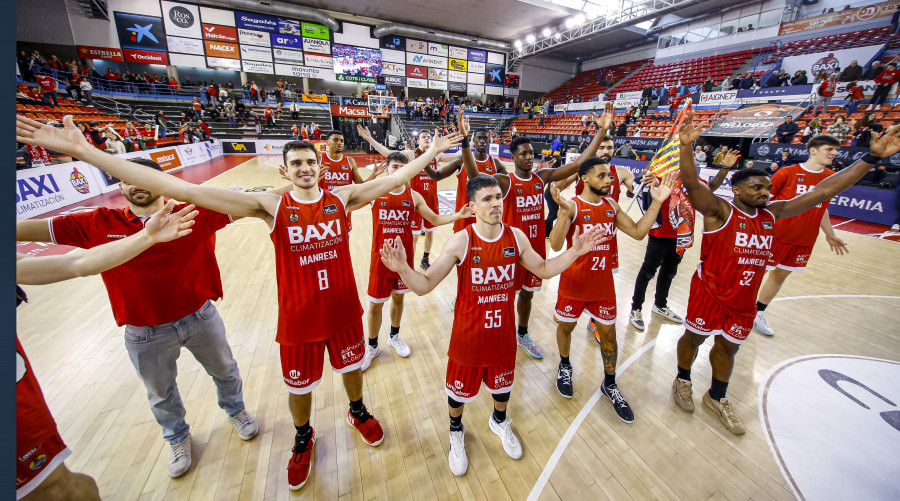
(829, 61)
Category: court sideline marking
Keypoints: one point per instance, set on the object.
(589, 405)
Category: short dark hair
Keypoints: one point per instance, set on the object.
(518, 141)
(742, 175)
(479, 182)
(822, 140)
(481, 131)
(146, 162)
(589, 164)
(608, 138)
(331, 133)
(298, 145)
(396, 157)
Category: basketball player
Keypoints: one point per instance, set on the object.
(523, 207)
(422, 183)
(313, 267)
(157, 329)
(486, 255)
(337, 169)
(619, 176)
(736, 246)
(587, 286)
(41, 474)
(795, 237)
(392, 215)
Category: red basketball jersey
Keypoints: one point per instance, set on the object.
(422, 182)
(733, 259)
(523, 207)
(590, 278)
(787, 183)
(34, 423)
(392, 215)
(339, 173)
(484, 331)
(316, 287)
(615, 184)
(462, 179)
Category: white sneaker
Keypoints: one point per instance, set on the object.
(399, 346)
(244, 425)
(668, 314)
(180, 457)
(371, 353)
(637, 319)
(507, 437)
(895, 227)
(761, 325)
(459, 462)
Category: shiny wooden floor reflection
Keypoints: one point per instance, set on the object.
(101, 408)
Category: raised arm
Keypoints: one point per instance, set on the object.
(33, 230)
(626, 177)
(393, 255)
(71, 142)
(446, 171)
(564, 216)
(659, 192)
(468, 157)
(437, 219)
(161, 227)
(364, 193)
(701, 197)
(549, 268)
(885, 146)
(603, 123)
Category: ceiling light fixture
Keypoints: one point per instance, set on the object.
(546, 32)
(557, 35)
(529, 39)
(518, 44)
(579, 19)
(570, 22)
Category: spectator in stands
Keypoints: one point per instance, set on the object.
(748, 164)
(637, 131)
(317, 132)
(746, 81)
(865, 127)
(160, 121)
(709, 155)
(785, 132)
(556, 146)
(207, 133)
(544, 109)
(197, 108)
(173, 84)
(699, 157)
(114, 144)
(269, 116)
(674, 103)
(228, 109)
(708, 84)
(824, 93)
(622, 129)
(97, 137)
(852, 72)
(720, 157)
(813, 129)
(147, 137)
(257, 121)
(854, 97)
(774, 80)
(726, 84)
(839, 129)
(895, 21)
(25, 65)
(254, 93)
(513, 132)
(820, 77)
(295, 132)
(885, 80)
(73, 87)
(240, 111)
(49, 86)
(799, 78)
(294, 108)
(785, 159)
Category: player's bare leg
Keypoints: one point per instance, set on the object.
(64, 484)
(770, 287)
(564, 372)
(502, 426)
(609, 350)
(721, 358)
(682, 388)
(523, 313)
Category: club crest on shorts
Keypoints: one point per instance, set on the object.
(293, 218)
(509, 251)
(38, 462)
(476, 259)
(329, 209)
(767, 225)
(611, 213)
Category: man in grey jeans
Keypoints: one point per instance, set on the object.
(164, 298)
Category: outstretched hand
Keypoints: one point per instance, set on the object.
(730, 159)
(884, 146)
(566, 206)
(605, 120)
(837, 245)
(69, 140)
(164, 225)
(378, 169)
(688, 133)
(444, 143)
(465, 212)
(582, 243)
(393, 255)
(364, 132)
(462, 121)
(662, 189)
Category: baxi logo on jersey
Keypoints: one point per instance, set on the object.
(530, 201)
(393, 215)
(493, 274)
(763, 242)
(314, 232)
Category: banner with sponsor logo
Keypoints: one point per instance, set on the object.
(395, 80)
(628, 95)
(417, 46)
(314, 98)
(43, 189)
(303, 71)
(426, 60)
(416, 71)
(476, 67)
(458, 64)
(223, 63)
(792, 93)
(185, 45)
(316, 46)
(846, 154)
(313, 30)
(626, 103)
(495, 75)
(238, 146)
(392, 42)
(318, 61)
(289, 41)
(340, 110)
(437, 74)
(167, 159)
(254, 53)
(256, 21)
(288, 56)
(393, 69)
(354, 101)
(140, 33)
(257, 67)
(416, 83)
(752, 120)
(456, 86)
(222, 49)
(436, 49)
(195, 153)
(721, 97)
(456, 76)
(477, 55)
(883, 9)
(102, 53)
(829, 61)
(181, 19)
(146, 56)
(458, 53)
(354, 78)
(639, 143)
(220, 33)
(437, 84)
(254, 37)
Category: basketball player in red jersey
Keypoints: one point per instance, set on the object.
(312, 258)
(41, 473)
(338, 169)
(737, 240)
(523, 207)
(618, 175)
(392, 215)
(795, 237)
(587, 286)
(422, 183)
(482, 351)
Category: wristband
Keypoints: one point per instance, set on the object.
(870, 159)
(465, 142)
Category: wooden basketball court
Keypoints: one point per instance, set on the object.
(573, 449)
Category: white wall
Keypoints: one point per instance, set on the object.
(645, 52)
(543, 74)
(102, 33)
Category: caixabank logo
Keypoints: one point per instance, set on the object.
(140, 32)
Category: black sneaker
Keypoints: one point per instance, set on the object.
(564, 380)
(623, 410)
(424, 264)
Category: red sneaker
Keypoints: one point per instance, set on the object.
(300, 464)
(370, 429)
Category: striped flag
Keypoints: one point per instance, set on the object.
(667, 159)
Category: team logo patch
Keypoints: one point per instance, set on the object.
(345, 167)
(799, 179)
(700, 322)
(519, 191)
(509, 251)
(476, 259)
(406, 203)
(743, 225)
(587, 218)
(293, 218)
(537, 186)
(489, 169)
(611, 213)
(767, 225)
(38, 462)
(384, 204)
(568, 308)
(329, 209)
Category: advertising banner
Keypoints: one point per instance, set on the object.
(846, 154)
(257, 67)
(354, 78)
(393, 56)
(185, 45)
(868, 204)
(313, 30)
(829, 61)
(458, 64)
(140, 33)
(256, 53)
(416, 83)
(253, 37)
(393, 69)
(314, 98)
(394, 80)
(220, 33)
(436, 49)
(146, 56)
(392, 42)
(626, 103)
(167, 159)
(459, 53)
(102, 53)
(340, 110)
(416, 71)
(495, 58)
(195, 153)
(435, 84)
(456, 86)
(475, 78)
(640, 143)
(222, 49)
(289, 41)
(476, 67)
(752, 120)
(316, 45)
(417, 46)
(883, 9)
(495, 75)
(303, 71)
(288, 56)
(722, 97)
(628, 95)
(223, 63)
(792, 93)
(437, 74)
(319, 61)
(476, 89)
(426, 60)
(456, 76)
(477, 55)
(181, 19)
(239, 146)
(256, 21)
(43, 189)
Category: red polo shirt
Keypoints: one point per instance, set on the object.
(162, 284)
(888, 77)
(47, 84)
